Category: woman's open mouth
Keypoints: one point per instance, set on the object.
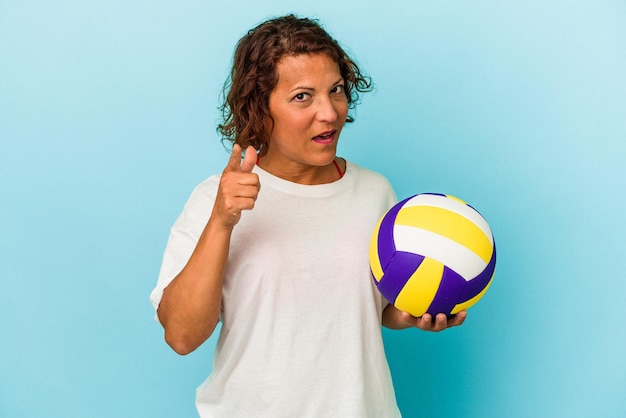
(325, 137)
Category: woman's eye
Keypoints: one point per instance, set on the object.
(338, 89)
(300, 97)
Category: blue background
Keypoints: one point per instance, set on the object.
(107, 122)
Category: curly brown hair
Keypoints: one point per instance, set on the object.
(245, 109)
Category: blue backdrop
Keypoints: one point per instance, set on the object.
(107, 122)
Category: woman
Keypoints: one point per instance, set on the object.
(276, 247)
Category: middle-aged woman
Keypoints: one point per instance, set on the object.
(276, 247)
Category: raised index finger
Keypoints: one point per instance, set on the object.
(234, 162)
(249, 160)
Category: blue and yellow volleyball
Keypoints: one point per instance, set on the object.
(432, 253)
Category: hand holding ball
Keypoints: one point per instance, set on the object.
(432, 253)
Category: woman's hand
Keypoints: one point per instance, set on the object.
(238, 189)
(440, 322)
(396, 319)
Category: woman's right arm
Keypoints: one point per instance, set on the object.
(190, 306)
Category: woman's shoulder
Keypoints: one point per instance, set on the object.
(209, 183)
(369, 179)
(363, 173)
(205, 192)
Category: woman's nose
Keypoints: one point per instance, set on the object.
(327, 111)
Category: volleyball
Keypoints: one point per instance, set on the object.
(432, 253)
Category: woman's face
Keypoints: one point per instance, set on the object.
(309, 108)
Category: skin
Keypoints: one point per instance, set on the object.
(190, 307)
(309, 108)
(395, 319)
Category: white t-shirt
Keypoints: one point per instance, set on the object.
(301, 320)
